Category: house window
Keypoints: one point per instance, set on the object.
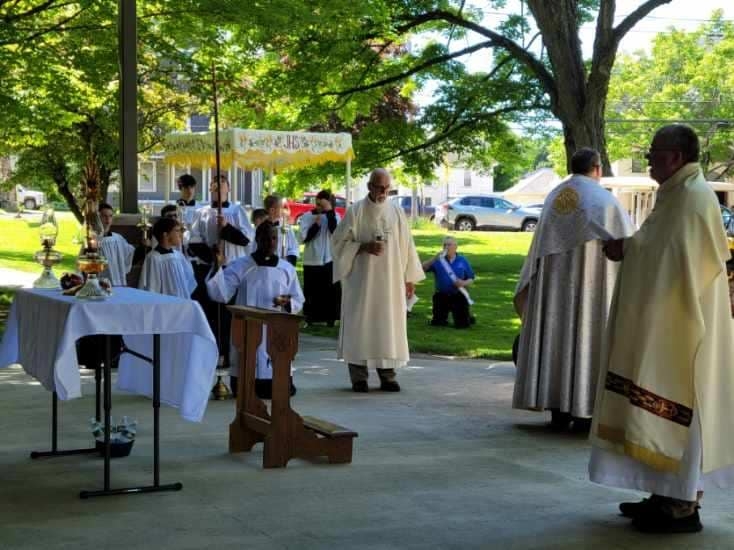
(467, 178)
(639, 166)
(146, 177)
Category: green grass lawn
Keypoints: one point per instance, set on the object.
(19, 241)
(495, 257)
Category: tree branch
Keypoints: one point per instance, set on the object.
(47, 5)
(633, 18)
(396, 78)
(498, 40)
(448, 132)
(47, 30)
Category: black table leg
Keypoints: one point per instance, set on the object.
(156, 487)
(55, 436)
(156, 408)
(107, 408)
(97, 393)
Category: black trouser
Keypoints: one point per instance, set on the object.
(323, 296)
(456, 303)
(218, 316)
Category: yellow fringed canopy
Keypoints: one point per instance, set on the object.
(264, 149)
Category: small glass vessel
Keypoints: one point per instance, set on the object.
(48, 257)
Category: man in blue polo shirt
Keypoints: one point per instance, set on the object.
(453, 275)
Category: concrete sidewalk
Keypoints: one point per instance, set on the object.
(444, 464)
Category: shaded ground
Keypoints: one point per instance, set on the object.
(444, 464)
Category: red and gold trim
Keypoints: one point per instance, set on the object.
(651, 402)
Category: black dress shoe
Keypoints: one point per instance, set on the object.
(360, 387)
(581, 425)
(560, 420)
(634, 509)
(655, 520)
(390, 385)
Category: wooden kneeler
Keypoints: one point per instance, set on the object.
(285, 434)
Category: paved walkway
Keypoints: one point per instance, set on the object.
(444, 464)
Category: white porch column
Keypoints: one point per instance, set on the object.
(234, 182)
(348, 184)
(167, 184)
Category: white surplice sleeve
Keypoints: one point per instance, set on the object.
(304, 224)
(197, 233)
(294, 289)
(344, 246)
(188, 273)
(244, 225)
(146, 274)
(225, 282)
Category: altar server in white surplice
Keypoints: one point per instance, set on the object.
(323, 295)
(376, 261)
(118, 252)
(288, 247)
(120, 256)
(233, 231)
(210, 235)
(166, 270)
(262, 280)
(563, 296)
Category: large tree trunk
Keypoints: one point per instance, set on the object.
(579, 100)
(63, 186)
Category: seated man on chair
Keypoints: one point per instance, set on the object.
(452, 274)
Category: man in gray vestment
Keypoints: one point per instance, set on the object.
(564, 294)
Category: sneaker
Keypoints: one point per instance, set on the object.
(360, 387)
(655, 520)
(389, 385)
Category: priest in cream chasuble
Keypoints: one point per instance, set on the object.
(666, 392)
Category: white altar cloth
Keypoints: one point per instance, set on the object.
(44, 325)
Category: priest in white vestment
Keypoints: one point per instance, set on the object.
(376, 261)
(288, 247)
(118, 252)
(563, 296)
(665, 400)
(262, 280)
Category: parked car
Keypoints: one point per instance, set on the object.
(727, 217)
(486, 211)
(296, 209)
(405, 202)
(31, 200)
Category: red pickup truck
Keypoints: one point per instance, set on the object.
(307, 203)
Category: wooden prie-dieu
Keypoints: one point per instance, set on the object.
(284, 432)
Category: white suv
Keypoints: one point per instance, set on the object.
(29, 199)
(487, 211)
